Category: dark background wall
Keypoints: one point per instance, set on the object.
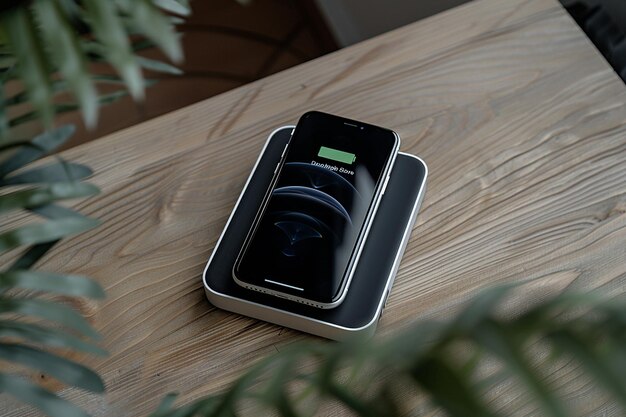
(354, 20)
(615, 8)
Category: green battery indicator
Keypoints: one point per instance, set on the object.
(336, 155)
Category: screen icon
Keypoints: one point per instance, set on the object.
(336, 155)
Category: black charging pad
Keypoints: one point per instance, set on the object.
(375, 272)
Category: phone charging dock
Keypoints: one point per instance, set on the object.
(375, 272)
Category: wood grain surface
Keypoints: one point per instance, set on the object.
(521, 122)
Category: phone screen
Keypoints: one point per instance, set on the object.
(308, 232)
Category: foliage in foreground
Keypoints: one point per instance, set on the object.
(32, 328)
(450, 365)
(51, 46)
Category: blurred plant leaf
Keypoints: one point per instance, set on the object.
(179, 7)
(62, 85)
(449, 388)
(69, 107)
(53, 211)
(72, 285)
(65, 370)
(70, 7)
(4, 120)
(109, 30)
(175, 20)
(46, 336)
(7, 61)
(48, 310)
(50, 173)
(154, 25)
(340, 393)
(158, 66)
(481, 307)
(32, 255)
(37, 148)
(56, 181)
(41, 398)
(44, 232)
(34, 197)
(49, 46)
(166, 404)
(593, 338)
(52, 42)
(597, 363)
(33, 66)
(64, 51)
(501, 342)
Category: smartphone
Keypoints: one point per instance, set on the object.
(308, 234)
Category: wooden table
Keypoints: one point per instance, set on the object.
(522, 124)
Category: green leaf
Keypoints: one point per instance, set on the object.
(155, 26)
(7, 145)
(51, 337)
(34, 197)
(166, 404)
(425, 351)
(64, 51)
(38, 147)
(20, 28)
(403, 349)
(112, 79)
(175, 20)
(147, 63)
(4, 120)
(496, 339)
(33, 394)
(142, 45)
(70, 8)
(65, 370)
(275, 394)
(109, 30)
(62, 85)
(483, 305)
(224, 404)
(158, 66)
(17, 99)
(54, 172)
(179, 7)
(113, 97)
(107, 79)
(204, 407)
(387, 403)
(6, 62)
(24, 118)
(32, 255)
(449, 388)
(52, 211)
(73, 285)
(47, 310)
(594, 361)
(353, 402)
(95, 51)
(70, 107)
(44, 232)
